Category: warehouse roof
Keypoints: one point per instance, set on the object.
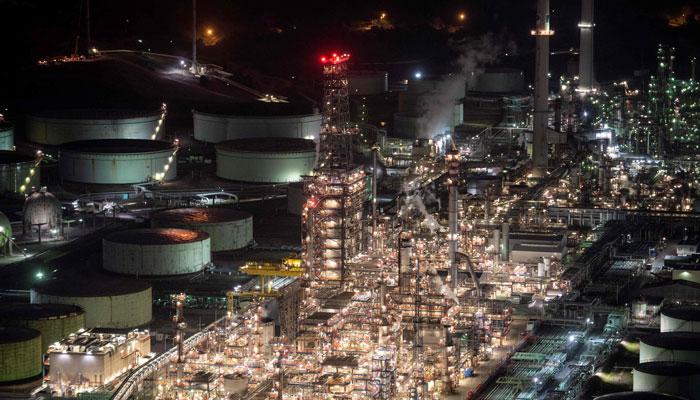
(157, 236)
(91, 286)
(668, 368)
(117, 146)
(201, 215)
(269, 145)
(26, 311)
(673, 340)
(14, 335)
(684, 313)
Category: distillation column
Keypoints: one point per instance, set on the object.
(586, 77)
(539, 142)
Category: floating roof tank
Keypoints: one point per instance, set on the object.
(680, 319)
(108, 301)
(670, 346)
(638, 396)
(53, 321)
(20, 354)
(229, 229)
(7, 135)
(674, 378)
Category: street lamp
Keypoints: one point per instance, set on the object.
(210, 31)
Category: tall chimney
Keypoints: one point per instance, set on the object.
(586, 78)
(195, 69)
(539, 143)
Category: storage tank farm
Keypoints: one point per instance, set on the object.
(108, 301)
(7, 135)
(53, 321)
(55, 127)
(156, 252)
(19, 172)
(228, 229)
(680, 319)
(20, 355)
(118, 161)
(265, 160)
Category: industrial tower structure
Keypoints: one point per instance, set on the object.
(335, 193)
(586, 78)
(539, 141)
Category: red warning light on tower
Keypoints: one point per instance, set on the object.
(335, 58)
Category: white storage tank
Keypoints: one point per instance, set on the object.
(276, 121)
(680, 319)
(156, 252)
(670, 346)
(228, 229)
(674, 378)
(7, 135)
(108, 301)
(638, 396)
(367, 83)
(15, 169)
(118, 161)
(265, 160)
(63, 126)
(235, 384)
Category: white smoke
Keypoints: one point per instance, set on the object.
(438, 108)
(415, 202)
(440, 286)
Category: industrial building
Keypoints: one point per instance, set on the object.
(228, 229)
(265, 160)
(20, 355)
(7, 135)
(57, 127)
(216, 128)
(92, 359)
(118, 161)
(19, 173)
(109, 302)
(367, 82)
(53, 321)
(156, 252)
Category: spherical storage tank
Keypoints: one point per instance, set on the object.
(275, 122)
(228, 229)
(20, 354)
(108, 301)
(53, 321)
(674, 378)
(15, 168)
(41, 210)
(7, 135)
(117, 161)
(367, 83)
(269, 160)
(670, 346)
(63, 126)
(156, 252)
(680, 319)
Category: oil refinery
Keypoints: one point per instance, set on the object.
(494, 219)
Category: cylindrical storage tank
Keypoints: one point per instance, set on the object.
(638, 396)
(53, 321)
(7, 135)
(15, 168)
(265, 160)
(295, 198)
(680, 319)
(20, 354)
(156, 252)
(670, 346)
(235, 384)
(367, 83)
(499, 80)
(5, 231)
(679, 379)
(228, 229)
(63, 126)
(117, 161)
(215, 128)
(108, 301)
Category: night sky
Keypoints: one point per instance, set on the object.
(283, 38)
